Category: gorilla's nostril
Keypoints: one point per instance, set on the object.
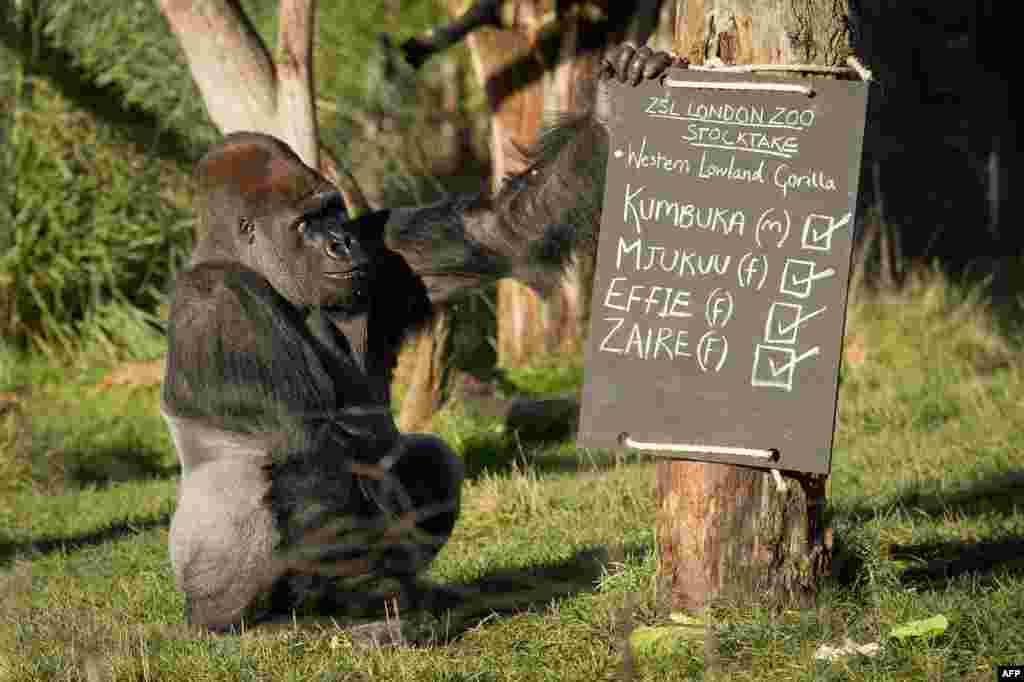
(336, 249)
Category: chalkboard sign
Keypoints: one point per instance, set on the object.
(722, 268)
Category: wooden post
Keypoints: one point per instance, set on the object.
(729, 532)
(508, 65)
(428, 355)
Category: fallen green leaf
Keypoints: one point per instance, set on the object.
(929, 627)
(651, 640)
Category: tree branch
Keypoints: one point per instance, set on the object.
(229, 63)
(482, 13)
(296, 115)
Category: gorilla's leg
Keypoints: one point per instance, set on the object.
(423, 484)
(387, 520)
(427, 471)
(222, 541)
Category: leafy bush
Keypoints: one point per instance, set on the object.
(129, 45)
(80, 236)
(83, 227)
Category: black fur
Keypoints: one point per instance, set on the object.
(283, 334)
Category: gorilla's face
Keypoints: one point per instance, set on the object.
(313, 254)
(262, 207)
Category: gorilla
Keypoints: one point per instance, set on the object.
(296, 486)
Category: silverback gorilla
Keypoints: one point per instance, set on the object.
(284, 329)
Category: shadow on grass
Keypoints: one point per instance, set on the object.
(85, 463)
(115, 465)
(997, 494)
(500, 453)
(940, 562)
(462, 606)
(9, 551)
(515, 590)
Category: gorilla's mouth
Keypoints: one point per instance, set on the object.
(352, 273)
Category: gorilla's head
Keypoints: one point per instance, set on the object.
(260, 206)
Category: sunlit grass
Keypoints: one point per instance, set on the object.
(925, 498)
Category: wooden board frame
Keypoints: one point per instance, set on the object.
(723, 268)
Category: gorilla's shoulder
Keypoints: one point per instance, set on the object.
(224, 283)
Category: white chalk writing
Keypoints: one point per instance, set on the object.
(639, 210)
(640, 159)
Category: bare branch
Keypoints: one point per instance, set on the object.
(482, 13)
(229, 63)
(296, 115)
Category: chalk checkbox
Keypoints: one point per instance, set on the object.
(819, 230)
(775, 367)
(799, 276)
(784, 321)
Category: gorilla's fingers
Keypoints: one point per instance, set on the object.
(629, 64)
(638, 65)
(657, 65)
(622, 60)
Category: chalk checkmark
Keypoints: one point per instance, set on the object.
(787, 328)
(801, 281)
(799, 285)
(790, 364)
(823, 238)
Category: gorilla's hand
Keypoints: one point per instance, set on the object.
(630, 65)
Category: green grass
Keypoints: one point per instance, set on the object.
(926, 496)
(926, 499)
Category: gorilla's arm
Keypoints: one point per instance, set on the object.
(528, 230)
(531, 227)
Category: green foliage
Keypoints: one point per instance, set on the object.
(348, 54)
(81, 236)
(88, 239)
(364, 90)
(10, 85)
(924, 497)
(120, 61)
(128, 45)
(546, 376)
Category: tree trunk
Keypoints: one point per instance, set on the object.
(229, 63)
(428, 357)
(296, 113)
(728, 532)
(509, 66)
(244, 88)
(425, 364)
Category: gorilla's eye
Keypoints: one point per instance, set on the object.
(348, 242)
